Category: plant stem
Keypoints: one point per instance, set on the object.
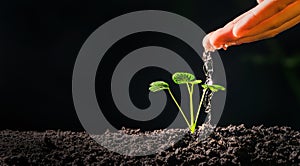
(191, 103)
(188, 87)
(199, 108)
(179, 108)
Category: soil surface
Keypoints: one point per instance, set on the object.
(232, 145)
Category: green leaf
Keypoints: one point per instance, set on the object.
(214, 87)
(196, 82)
(183, 78)
(204, 86)
(158, 86)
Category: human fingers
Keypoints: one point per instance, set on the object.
(207, 45)
(270, 33)
(284, 16)
(217, 39)
(220, 37)
(224, 37)
(258, 14)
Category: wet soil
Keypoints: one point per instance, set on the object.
(231, 145)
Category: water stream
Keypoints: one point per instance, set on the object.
(208, 70)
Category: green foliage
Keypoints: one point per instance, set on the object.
(158, 86)
(183, 78)
(190, 81)
(196, 82)
(213, 88)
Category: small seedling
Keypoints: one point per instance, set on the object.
(190, 81)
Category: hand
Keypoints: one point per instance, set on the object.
(266, 20)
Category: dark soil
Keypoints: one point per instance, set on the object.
(232, 145)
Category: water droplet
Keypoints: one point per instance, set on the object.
(225, 46)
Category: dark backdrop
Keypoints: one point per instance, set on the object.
(39, 43)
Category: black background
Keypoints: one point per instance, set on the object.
(39, 43)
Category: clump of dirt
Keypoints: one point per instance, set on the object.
(231, 145)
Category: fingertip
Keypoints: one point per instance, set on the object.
(215, 39)
(207, 44)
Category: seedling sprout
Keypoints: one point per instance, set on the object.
(189, 80)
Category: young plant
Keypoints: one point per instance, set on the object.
(189, 80)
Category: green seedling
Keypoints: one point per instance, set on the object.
(189, 80)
